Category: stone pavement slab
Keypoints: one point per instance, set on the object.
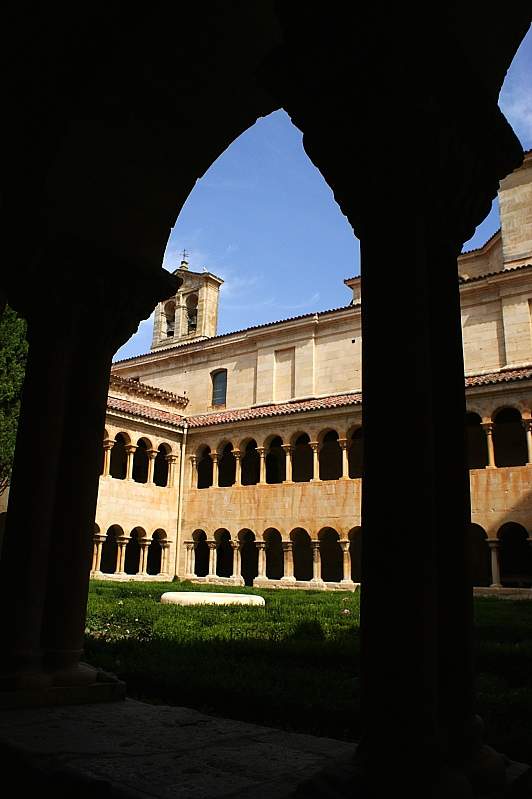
(132, 749)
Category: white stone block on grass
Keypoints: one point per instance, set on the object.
(208, 598)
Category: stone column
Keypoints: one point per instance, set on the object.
(121, 554)
(152, 454)
(495, 548)
(262, 456)
(237, 563)
(315, 460)
(214, 457)
(316, 562)
(130, 449)
(189, 549)
(193, 472)
(212, 558)
(488, 430)
(288, 448)
(528, 427)
(172, 461)
(165, 550)
(288, 556)
(99, 540)
(72, 339)
(261, 546)
(143, 565)
(346, 579)
(238, 467)
(108, 444)
(343, 442)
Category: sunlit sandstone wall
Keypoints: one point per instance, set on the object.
(515, 203)
(497, 496)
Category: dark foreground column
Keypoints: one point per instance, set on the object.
(46, 558)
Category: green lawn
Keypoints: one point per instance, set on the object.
(292, 664)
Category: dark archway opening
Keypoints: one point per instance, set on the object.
(155, 552)
(332, 563)
(479, 555)
(205, 469)
(302, 553)
(109, 559)
(140, 462)
(201, 553)
(330, 457)
(160, 467)
(227, 467)
(302, 460)
(515, 556)
(509, 438)
(224, 553)
(250, 464)
(274, 554)
(132, 558)
(249, 557)
(355, 454)
(118, 465)
(276, 462)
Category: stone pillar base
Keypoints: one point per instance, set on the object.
(261, 582)
(349, 584)
(106, 689)
(319, 583)
(288, 580)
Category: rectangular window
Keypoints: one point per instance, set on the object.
(219, 387)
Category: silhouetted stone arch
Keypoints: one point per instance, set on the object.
(330, 457)
(302, 459)
(332, 564)
(140, 461)
(169, 319)
(118, 465)
(132, 558)
(204, 467)
(250, 464)
(302, 554)
(160, 467)
(274, 554)
(355, 454)
(224, 553)
(479, 556)
(110, 550)
(226, 466)
(201, 553)
(249, 556)
(276, 461)
(509, 438)
(515, 555)
(355, 552)
(476, 443)
(155, 552)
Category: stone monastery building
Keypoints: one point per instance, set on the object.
(238, 457)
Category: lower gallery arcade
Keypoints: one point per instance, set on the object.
(272, 504)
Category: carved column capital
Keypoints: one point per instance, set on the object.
(287, 546)
(212, 544)
(343, 442)
(130, 448)
(487, 427)
(108, 443)
(288, 448)
(344, 544)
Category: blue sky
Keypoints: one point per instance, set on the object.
(263, 219)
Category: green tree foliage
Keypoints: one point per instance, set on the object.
(13, 351)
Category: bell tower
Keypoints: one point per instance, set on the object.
(192, 313)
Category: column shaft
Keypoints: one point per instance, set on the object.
(316, 561)
(345, 461)
(488, 429)
(193, 472)
(262, 456)
(212, 558)
(130, 450)
(346, 554)
(528, 428)
(152, 454)
(108, 444)
(315, 460)
(288, 460)
(261, 546)
(495, 545)
(214, 456)
(238, 467)
(288, 558)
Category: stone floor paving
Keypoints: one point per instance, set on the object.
(131, 749)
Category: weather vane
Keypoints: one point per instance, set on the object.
(185, 255)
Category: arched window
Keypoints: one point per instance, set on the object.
(476, 443)
(509, 438)
(219, 387)
(192, 313)
(118, 468)
(169, 319)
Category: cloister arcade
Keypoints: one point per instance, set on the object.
(137, 553)
(502, 439)
(127, 459)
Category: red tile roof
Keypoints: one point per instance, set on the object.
(144, 411)
(132, 386)
(507, 376)
(493, 274)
